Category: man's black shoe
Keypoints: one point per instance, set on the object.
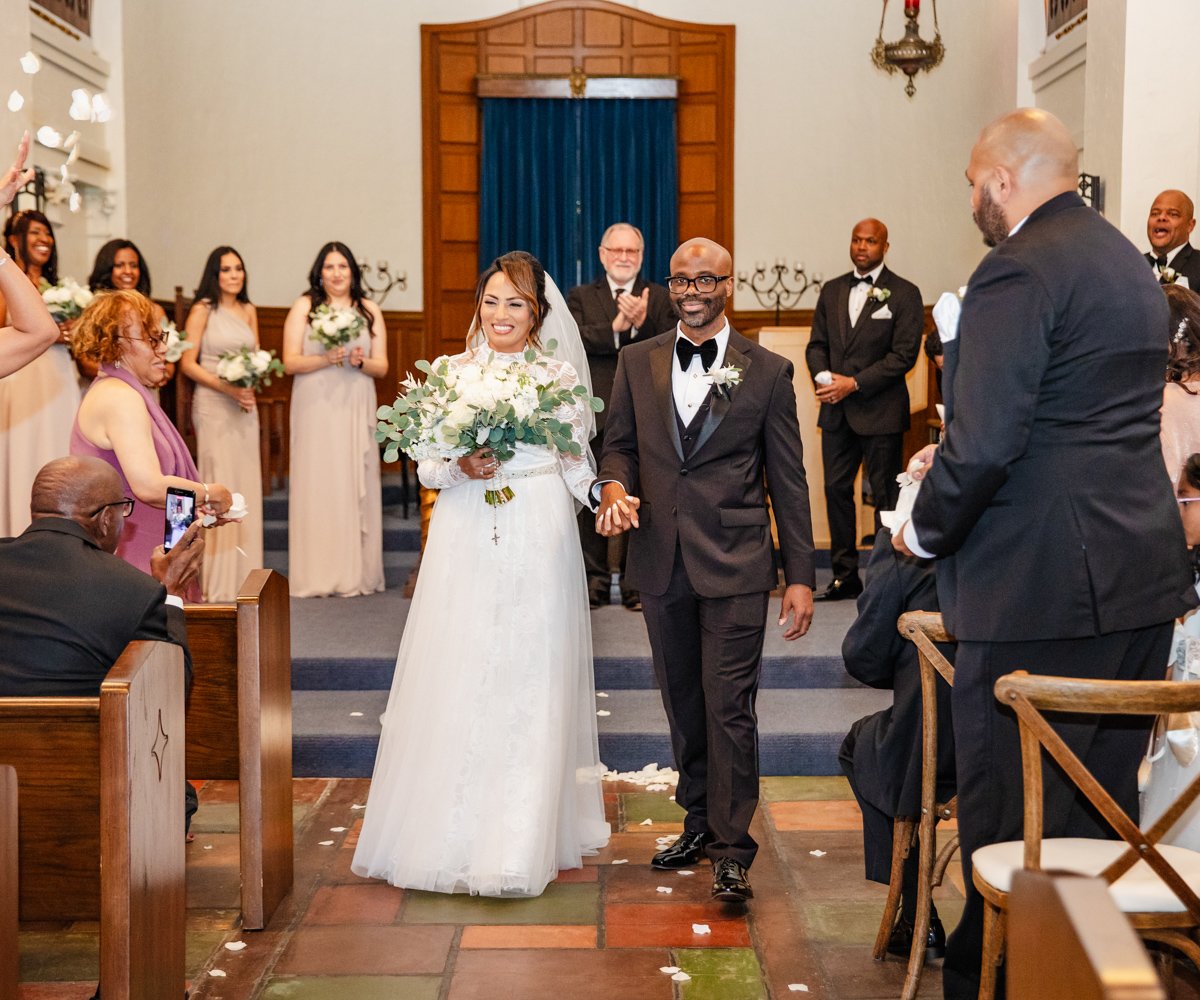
(841, 590)
(685, 852)
(730, 882)
(900, 943)
(632, 601)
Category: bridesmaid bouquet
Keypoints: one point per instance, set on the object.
(177, 342)
(486, 404)
(248, 368)
(66, 300)
(332, 327)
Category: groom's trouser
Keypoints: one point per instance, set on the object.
(707, 655)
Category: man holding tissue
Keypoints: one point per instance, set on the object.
(866, 335)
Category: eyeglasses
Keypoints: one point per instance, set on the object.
(126, 506)
(155, 340)
(623, 251)
(705, 283)
(1186, 499)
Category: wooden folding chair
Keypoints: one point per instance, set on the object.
(1153, 885)
(922, 629)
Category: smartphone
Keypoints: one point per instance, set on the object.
(181, 512)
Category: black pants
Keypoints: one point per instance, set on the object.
(842, 452)
(707, 656)
(988, 755)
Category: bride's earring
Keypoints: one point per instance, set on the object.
(117, 363)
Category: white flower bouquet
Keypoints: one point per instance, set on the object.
(248, 368)
(334, 327)
(66, 300)
(456, 411)
(177, 342)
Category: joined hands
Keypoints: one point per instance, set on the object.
(617, 512)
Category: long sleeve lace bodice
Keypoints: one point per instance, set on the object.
(576, 471)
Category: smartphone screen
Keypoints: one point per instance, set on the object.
(181, 512)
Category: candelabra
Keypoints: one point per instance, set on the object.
(384, 280)
(778, 294)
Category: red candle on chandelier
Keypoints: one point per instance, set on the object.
(912, 7)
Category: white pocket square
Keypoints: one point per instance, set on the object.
(884, 313)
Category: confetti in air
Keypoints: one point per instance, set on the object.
(30, 63)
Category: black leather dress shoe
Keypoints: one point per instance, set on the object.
(731, 884)
(900, 943)
(632, 601)
(841, 590)
(686, 851)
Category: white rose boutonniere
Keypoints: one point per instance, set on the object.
(1168, 276)
(725, 379)
(877, 294)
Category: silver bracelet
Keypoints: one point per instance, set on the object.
(4, 258)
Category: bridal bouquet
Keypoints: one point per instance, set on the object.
(66, 300)
(248, 369)
(334, 327)
(177, 342)
(486, 404)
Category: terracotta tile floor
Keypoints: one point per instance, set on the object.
(602, 932)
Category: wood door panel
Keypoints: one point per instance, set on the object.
(601, 29)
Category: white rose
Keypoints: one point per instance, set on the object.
(262, 360)
(82, 296)
(235, 370)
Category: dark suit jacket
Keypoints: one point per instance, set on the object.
(68, 609)
(1187, 263)
(594, 309)
(887, 745)
(877, 352)
(714, 503)
(1048, 497)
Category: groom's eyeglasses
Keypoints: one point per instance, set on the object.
(126, 506)
(705, 283)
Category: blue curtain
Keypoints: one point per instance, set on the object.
(555, 173)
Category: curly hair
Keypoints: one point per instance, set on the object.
(97, 333)
(1183, 362)
(526, 274)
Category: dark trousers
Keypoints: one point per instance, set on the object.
(596, 549)
(988, 753)
(707, 655)
(842, 452)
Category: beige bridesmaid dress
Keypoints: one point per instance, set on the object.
(335, 503)
(227, 447)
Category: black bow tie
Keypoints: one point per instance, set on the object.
(685, 350)
(855, 279)
(1161, 261)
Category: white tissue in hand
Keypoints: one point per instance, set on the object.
(945, 315)
(208, 520)
(823, 378)
(237, 508)
(893, 519)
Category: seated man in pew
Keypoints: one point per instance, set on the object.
(881, 755)
(69, 606)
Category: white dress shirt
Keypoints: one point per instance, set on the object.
(860, 290)
(690, 388)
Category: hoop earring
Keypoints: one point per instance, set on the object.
(117, 363)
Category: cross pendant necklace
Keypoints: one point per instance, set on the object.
(495, 535)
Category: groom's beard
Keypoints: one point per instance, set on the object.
(990, 220)
(714, 305)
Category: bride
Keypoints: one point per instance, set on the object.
(487, 778)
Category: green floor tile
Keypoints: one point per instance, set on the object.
(720, 974)
(219, 818)
(559, 904)
(358, 987)
(797, 789)
(649, 805)
(199, 947)
(57, 956)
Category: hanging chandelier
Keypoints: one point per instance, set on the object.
(912, 53)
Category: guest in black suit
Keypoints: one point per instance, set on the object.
(866, 335)
(612, 312)
(1046, 502)
(1172, 219)
(881, 755)
(73, 606)
(702, 458)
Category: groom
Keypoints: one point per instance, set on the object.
(701, 428)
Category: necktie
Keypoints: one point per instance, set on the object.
(855, 279)
(1161, 261)
(685, 350)
(617, 293)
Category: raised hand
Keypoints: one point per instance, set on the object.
(17, 177)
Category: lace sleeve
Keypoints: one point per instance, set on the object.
(577, 472)
(440, 474)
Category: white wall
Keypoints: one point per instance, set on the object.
(277, 125)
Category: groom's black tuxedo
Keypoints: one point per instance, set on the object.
(703, 559)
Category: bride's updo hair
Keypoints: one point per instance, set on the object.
(1183, 363)
(526, 274)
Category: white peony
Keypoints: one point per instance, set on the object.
(261, 360)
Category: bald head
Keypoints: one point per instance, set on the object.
(701, 311)
(709, 250)
(74, 487)
(868, 244)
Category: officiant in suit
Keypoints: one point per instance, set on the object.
(612, 312)
(1047, 504)
(1170, 224)
(866, 335)
(702, 431)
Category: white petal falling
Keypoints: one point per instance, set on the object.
(81, 105)
(75, 202)
(16, 101)
(71, 141)
(101, 109)
(50, 137)
(64, 174)
(73, 155)
(30, 63)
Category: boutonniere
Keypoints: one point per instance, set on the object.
(725, 379)
(877, 294)
(1168, 276)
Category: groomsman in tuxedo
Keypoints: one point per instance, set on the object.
(702, 431)
(866, 335)
(612, 312)
(1174, 259)
(1046, 503)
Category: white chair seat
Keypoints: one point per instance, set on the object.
(1139, 890)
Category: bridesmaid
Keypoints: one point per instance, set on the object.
(120, 265)
(37, 403)
(335, 516)
(226, 418)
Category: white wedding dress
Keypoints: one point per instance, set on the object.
(488, 779)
